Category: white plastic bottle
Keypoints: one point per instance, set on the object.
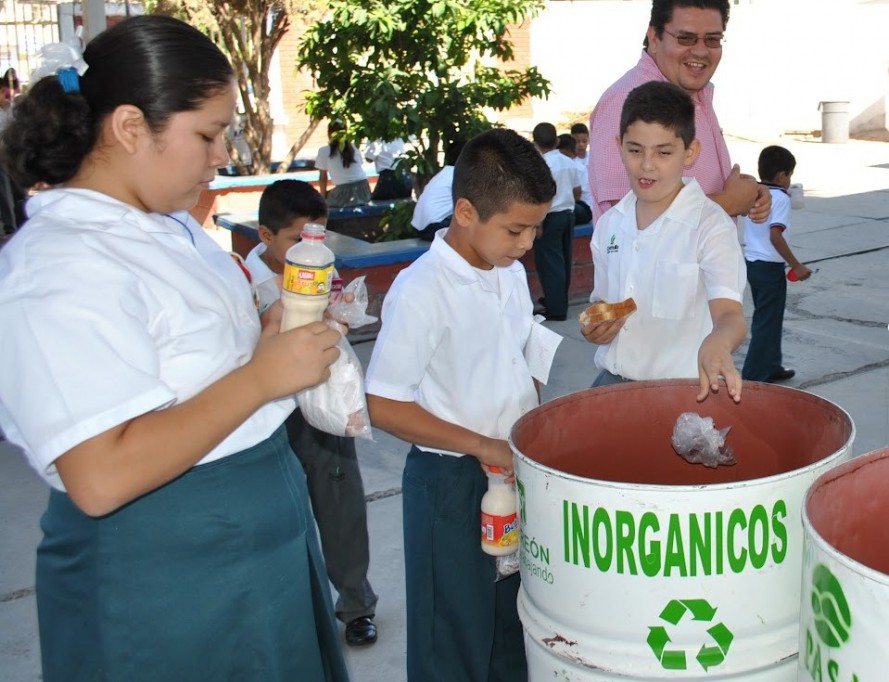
(308, 273)
(500, 528)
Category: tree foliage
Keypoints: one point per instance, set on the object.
(248, 31)
(429, 70)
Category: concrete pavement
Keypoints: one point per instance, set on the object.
(835, 337)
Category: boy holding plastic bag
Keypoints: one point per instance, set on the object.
(330, 461)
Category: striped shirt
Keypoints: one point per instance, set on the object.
(608, 177)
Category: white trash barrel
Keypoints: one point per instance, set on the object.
(834, 122)
(639, 566)
(844, 618)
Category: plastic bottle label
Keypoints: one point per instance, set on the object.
(500, 531)
(307, 280)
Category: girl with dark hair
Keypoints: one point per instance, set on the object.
(340, 161)
(142, 385)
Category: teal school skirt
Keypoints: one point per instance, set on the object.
(218, 575)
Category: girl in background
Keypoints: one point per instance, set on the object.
(340, 161)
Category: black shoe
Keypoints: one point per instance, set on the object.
(361, 631)
(782, 374)
(554, 318)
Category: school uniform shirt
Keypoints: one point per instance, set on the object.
(383, 153)
(608, 177)
(453, 341)
(567, 177)
(758, 236)
(267, 283)
(109, 313)
(585, 195)
(687, 257)
(339, 174)
(436, 201)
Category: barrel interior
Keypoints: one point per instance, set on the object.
(850, 508)
(622, 433)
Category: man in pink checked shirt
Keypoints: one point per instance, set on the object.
(683, 45)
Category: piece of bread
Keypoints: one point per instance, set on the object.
(601, 311)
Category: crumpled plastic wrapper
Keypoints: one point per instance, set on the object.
(354, 313)
(697, 440)
(507, 565)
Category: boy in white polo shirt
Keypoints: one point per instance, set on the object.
(449, 374)
(330, 462)
(766, 252)
(671, 249)
(552, 250)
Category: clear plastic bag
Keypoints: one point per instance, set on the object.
(354, 313)
(338, 405)
(697, 440)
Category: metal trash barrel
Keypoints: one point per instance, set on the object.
(639, 566)
(845, 585)
(834, 122)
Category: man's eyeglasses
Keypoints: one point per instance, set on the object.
(711, 40)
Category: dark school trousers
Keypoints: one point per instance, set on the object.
(552, 257)
(768, 286)
(337, 494)
(461, 624)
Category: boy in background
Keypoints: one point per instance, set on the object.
(552, 250)
(671, 249)
(330, 462)
(449, 375)
(766, 252)
(581, 135)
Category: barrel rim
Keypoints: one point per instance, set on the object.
(823, 545)
(658, 487)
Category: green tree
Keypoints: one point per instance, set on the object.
(429, 70)
(249, 31)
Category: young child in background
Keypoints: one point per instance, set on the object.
(766, 252)
(583, 212)
(449, 374)
(568, 146)
(552, 250)
(330, 462)
(671, 249)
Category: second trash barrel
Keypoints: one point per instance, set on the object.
(834, 122)
(637, 565)
(845, 578)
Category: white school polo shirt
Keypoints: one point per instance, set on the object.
(758, 236)
(108, 313)
(454, 346)
(567, 177)
(436, 201)
(687, 257)
(267, 283)
(339, 174)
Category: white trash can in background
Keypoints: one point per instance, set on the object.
(844, 618)
(834, 122)
(639, 566)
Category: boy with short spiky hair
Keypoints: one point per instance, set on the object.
(449, 374)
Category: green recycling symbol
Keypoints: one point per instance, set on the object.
(700, 610)
(832, 616)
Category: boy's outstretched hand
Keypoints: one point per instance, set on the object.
(715, 363)
(715, 353)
